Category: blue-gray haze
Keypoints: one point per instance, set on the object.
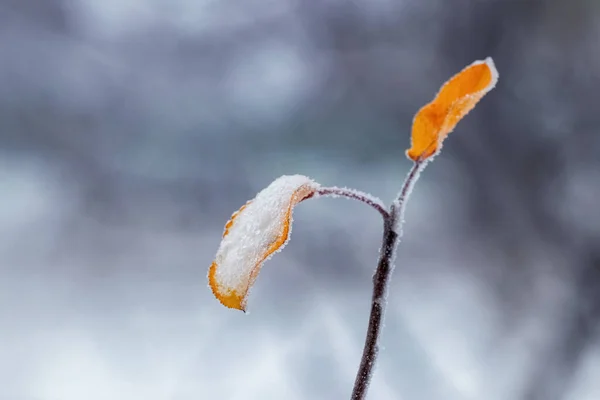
(130, 130)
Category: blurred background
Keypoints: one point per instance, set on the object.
(130, 130)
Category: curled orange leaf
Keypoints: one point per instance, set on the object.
(456, 98)
(255, 232)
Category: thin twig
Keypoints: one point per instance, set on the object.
(356, 195)
(399, 204)
(392, 232)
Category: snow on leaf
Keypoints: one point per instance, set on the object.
(254, 233)
(456, 98)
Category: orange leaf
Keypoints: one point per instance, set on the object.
(456, 98)
(254, 233)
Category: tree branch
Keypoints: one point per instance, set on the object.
(392, 232)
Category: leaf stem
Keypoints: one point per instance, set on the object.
(366, 198)
(392, 232)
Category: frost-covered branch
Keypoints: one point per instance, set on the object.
(262, 226)
(456, 98)
(392, 232)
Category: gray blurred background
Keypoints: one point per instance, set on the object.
(130, 130)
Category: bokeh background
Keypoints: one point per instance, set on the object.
(130, 130)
